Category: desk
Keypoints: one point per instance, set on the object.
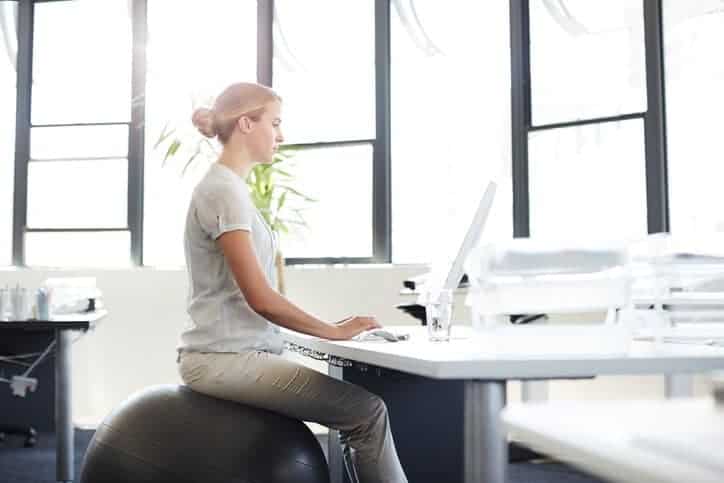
(421, 379)
(62, 328)
(628, 441)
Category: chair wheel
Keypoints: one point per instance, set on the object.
(30, 442)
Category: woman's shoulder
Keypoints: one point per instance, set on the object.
(219, 180)
(214, 186)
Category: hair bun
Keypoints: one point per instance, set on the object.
(203, 120)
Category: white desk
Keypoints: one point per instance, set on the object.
(628, 441)
(484, 378)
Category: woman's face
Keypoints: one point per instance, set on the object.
(266, 134)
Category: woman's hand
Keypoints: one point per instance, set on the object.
(351, 326)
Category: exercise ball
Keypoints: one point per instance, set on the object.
(173, 434)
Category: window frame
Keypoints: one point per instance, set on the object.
(24, 125)
(654, 120)
(657, 203)
(381, 167)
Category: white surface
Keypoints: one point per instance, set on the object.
(560, 293)
(463, 358)
(706, 333)
(639, 441)
(684, 298)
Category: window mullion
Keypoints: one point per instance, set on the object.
(136, 133)
(24, 68)
(381, 197)
(264, 42)
(657, 193)
(520, 113)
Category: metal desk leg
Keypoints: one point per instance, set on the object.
(485, 447)
(334, 449)
(63, 414)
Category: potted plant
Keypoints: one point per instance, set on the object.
(279, 203)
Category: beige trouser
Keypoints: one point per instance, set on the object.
(271, 382)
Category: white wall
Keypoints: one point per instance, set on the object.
(134, 346)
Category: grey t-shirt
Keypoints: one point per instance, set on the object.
(221, 320)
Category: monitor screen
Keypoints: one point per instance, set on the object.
(447, 264)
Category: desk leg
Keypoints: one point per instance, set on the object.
(486, 449)
(334, 449)
(63, 414)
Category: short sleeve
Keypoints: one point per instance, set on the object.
(224, 209)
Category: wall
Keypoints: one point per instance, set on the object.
(134, 346)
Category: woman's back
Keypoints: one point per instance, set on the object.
(221, 318)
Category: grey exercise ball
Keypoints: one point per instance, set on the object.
(173, 434)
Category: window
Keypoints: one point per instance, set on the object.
(586, 157)
(580, 110)
(77, 172)
(324, 69)
(92, 162)
(588, 182)
(184, 72)
(8, 95)
(587, 59)
(81, 62)
(340, 220)
(450, 121)
(693, 35)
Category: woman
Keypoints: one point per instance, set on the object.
(232, 348)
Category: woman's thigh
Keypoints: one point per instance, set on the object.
(272, 382)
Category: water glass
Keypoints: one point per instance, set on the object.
(438, 312)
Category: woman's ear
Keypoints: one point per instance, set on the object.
(244, 124)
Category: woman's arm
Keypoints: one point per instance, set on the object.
(241, 258)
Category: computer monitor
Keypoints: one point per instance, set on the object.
(447, 268)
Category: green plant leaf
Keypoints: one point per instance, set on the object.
(282, 172)
(165, 133)
(301, 195)
(294, 222)
(270, 185)
(191, 159)
(281, 200)
(171, 151)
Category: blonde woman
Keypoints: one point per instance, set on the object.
(231, 350)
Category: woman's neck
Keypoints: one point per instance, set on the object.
(236, 160)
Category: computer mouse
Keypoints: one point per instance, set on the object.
(377, 334)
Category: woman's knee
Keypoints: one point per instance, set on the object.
(375, 409)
